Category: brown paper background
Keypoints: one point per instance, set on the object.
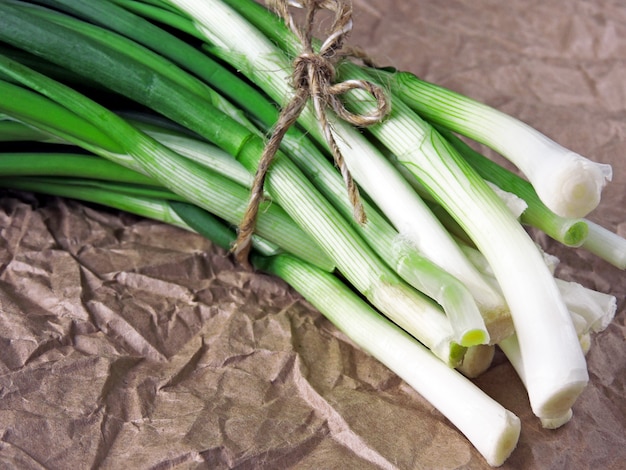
(129, 344)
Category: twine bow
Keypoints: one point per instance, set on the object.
(313, 77)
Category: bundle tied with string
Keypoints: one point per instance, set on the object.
(313, 78)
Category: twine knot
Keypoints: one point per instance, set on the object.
(313, 78)
(308, 63)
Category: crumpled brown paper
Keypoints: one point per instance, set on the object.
(126, 343)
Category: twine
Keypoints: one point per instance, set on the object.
(313, 77)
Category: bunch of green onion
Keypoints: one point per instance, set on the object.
(161, 108)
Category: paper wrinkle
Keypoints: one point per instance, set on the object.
(337, 425)
(128, 343)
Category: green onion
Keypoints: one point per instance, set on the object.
(15, 131)
(529, 289)
(455, 299)
(73, 165)
(442, 387)
(567, 230)
(396, 199)
(197, 184)
(169, 122)
(595, 309)
(291, 190)
(568, 183)
(107, 195)
(606, 244)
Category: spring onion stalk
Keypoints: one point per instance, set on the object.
(567, 230)
(398, 201)
(164, 13)
(192, 148)
(457, 302)
(451, 225)
(48, 117)
(94, 128)
(152, 208)
(293, 192)
(73, 165)
(161, 4)
(516, 205)
(115, 18)
(569, 184)
(482, 264)
(199, 151)
(149, 192)
(383, 340)
(606, 244)
(163, 208)
(41, 66)
(530, 289)
(597, 309)
(473, 415)
(217, 230)
(14, 131)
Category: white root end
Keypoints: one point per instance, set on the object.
(477, 360)
(549, 400)
(574, 187)
(554, 423)
(505, 441)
